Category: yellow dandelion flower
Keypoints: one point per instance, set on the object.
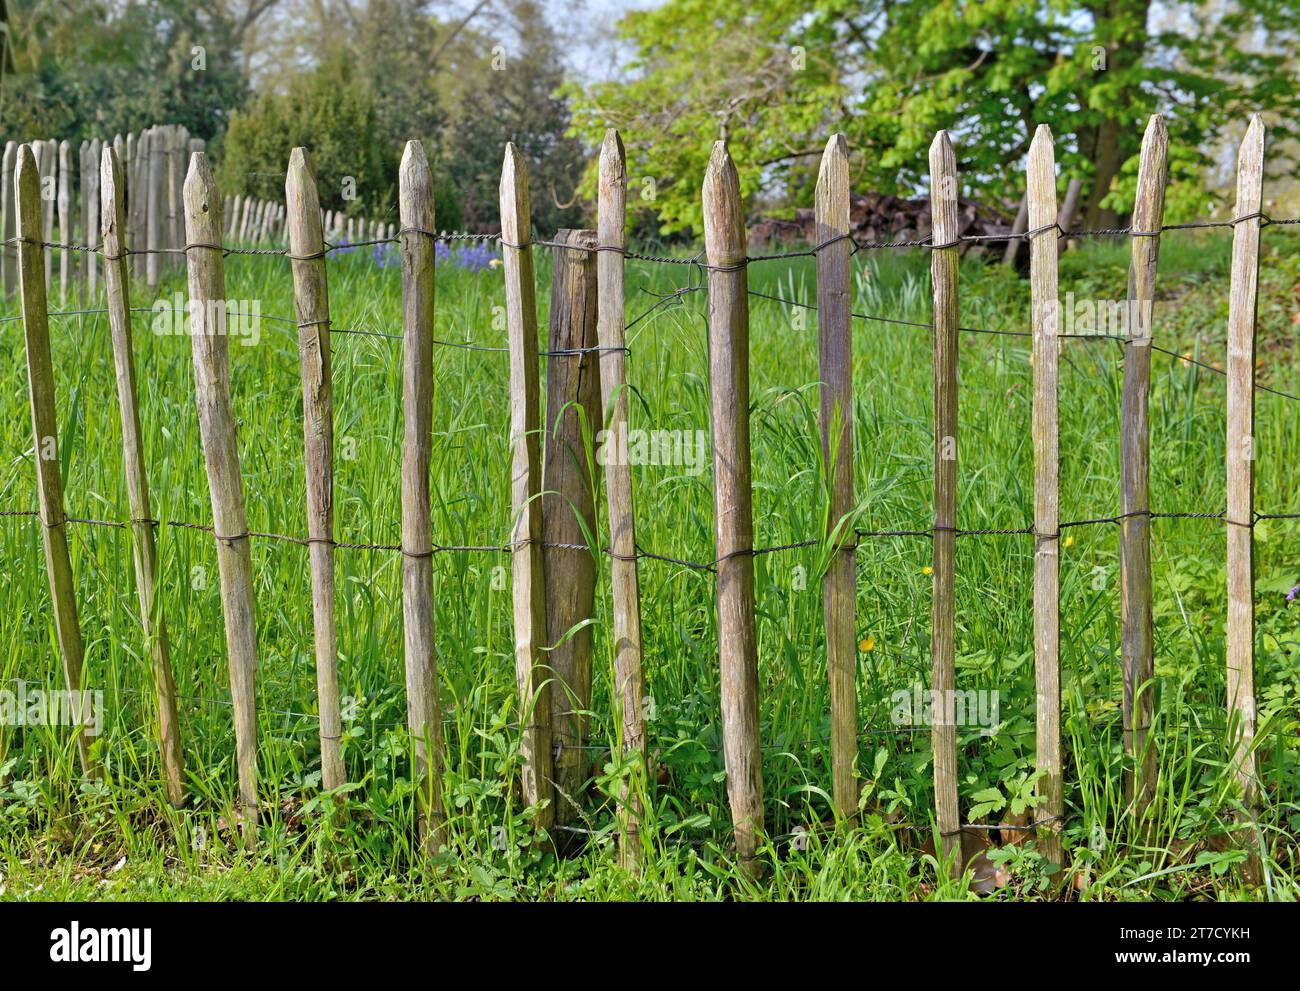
(867, 645)
(1069, 541)
(927, 570)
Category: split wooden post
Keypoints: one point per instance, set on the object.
(527, 567)
(9, 265)
(1137, 658)
(424, 712)
(1047, 538)
(84, 220)
(625, 586)
(47, 152)
(207, 285)
(66, 236)
(1241, 452)
(91, 181)
(944, 261)
(144, 539)
(724, 244)
(45, 433)
(156, 191)
(311, 298)
(568, 506)
(174, 235)
(835, 362)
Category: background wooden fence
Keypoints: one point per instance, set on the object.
(149, 219)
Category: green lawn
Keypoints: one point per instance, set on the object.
(62, 838)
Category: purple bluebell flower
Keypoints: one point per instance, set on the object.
(384, 255)
(1291, 595)
(475, 257)
(344, 246)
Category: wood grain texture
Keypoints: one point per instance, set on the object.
(569, 508)
(91, 208)
(1046, 437)
(724, 245)
(1241, 454)
(48, 160)
(155, 182)
(311, 303)
(67, 181)
(943, 660)
(835, 368)
(45, 433)
(1136, 653)
(8, 221)
(423, 709)
(625, 585)
(526, 562)
(207, 285)
(143, 536)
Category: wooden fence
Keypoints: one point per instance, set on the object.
(152, 164)
(553, 574)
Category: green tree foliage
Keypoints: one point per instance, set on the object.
(330, 111)
(512, 92)
(90, 68)
(777, 79)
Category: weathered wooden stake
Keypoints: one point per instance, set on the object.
(207, 284)
(47, 157)
(424, 713)
(568, 506)
(1046, 351)
(629, 689)
(532, 672)
(943, 672)
(45, 433)
(1241, 453)
(311, 296)
(1137, 659)
(117, 290)
(9, 267)
(835, 362)
(155, 221)
(65, 215)
(724, 244)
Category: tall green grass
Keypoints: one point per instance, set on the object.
(61, 837)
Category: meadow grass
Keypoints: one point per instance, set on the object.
(61, 837)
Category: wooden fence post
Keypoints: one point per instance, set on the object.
(1046, 351)
(66, 236)
(311, 296)
(90, 196)
(568, 506)
(156, 191)
(207, 285)
(724, 243)
(625, 587)
(144, 539)
(424, 713)
(944, 263)
(526, 563)
(49, 168)
(9, 268)
(835, 362)
(1137, 658)
(1241, 453)
(45, 433)
(174, 234)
